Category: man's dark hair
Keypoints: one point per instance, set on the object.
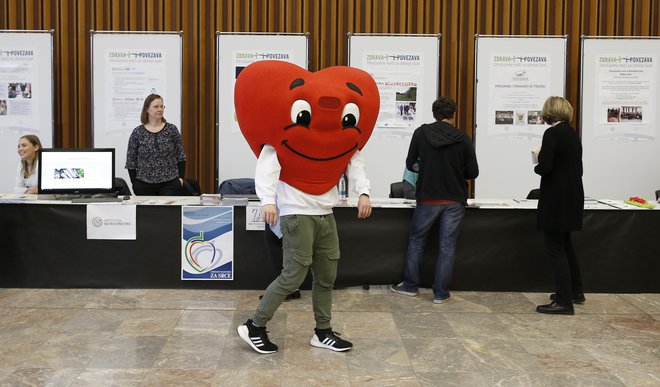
(443, 107)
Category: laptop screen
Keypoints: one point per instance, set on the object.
(76, 171)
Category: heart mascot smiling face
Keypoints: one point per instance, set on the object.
(315, 121)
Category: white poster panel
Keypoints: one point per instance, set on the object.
(619, 116)
(111, 221)
(26, 95)
(514, 76)
(207, 243)
(406, 70)
(126, 68)
(235, 52)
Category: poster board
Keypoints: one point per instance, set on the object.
(234, 52)
(26, 95)
(406, 69)
(619, 116)
(514, 75)
(126, 68)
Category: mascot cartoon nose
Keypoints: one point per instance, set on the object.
(331, 103)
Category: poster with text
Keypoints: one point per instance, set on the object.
(130, 76)
(626, 92)
(241, 59)
(398, 76)
(18, 83)
(519, 86)
(207, 245)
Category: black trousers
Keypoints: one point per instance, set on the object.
(568, 281)
(168, 188)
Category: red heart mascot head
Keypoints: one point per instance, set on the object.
(315, 121)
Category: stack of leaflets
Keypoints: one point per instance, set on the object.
(210, 199)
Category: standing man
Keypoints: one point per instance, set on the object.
(306, 129)
(446, 159)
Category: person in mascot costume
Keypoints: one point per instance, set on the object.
(306, 129)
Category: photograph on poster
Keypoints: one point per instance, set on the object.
(504, 117)
(534, 117)
(20, 90)
(631, 114)
(613, 114)
(3, 107)
(520, 118)
(406, 103)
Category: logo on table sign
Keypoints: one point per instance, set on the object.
(97, 221)
(201, 255)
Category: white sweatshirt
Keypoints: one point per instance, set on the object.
(292, 201)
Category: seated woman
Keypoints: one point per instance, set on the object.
(28, 167)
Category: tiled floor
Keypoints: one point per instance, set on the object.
(102, 337)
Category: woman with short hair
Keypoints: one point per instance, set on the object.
(561, 203)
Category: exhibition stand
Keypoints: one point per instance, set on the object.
(499, 248)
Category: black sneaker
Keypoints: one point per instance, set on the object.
(256, 337)
(293, 296)
(326, 338)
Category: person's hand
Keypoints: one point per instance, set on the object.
(269, 213)
(31, 190)
(364, 206)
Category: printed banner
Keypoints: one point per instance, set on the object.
(398, 76)
(243, 58)
(207, 245)
(111, 221)
(131, 75)
(625, 86)
(520, 84)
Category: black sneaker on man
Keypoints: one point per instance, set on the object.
(400, 288)
(256, 337)
(326, 338)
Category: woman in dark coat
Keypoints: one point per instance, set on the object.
(561, 203)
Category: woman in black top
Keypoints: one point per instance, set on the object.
(561, 203)
(155, 158)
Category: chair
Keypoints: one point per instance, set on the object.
(657, 194)
(396, 189)
(190, 187)
(120, 187)
(242, 186)
(534, 194)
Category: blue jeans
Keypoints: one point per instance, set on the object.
(449, 216)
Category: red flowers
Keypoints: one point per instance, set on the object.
(638, 200)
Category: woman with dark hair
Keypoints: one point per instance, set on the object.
(155, 158)
(26, 175)
(561, 203)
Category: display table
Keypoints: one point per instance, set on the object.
(499, 249)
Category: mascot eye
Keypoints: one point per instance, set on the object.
(350, 116)
(301, 112)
